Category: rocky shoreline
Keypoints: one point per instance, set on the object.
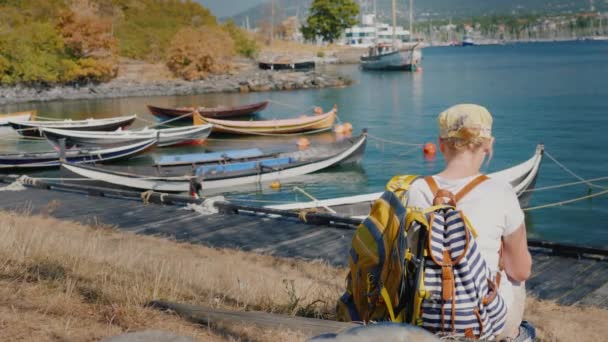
(248, 81)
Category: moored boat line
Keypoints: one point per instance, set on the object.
(43, 160)
(522, 177)
(302, 124)
(33, 128)
(219, 176)
(185, 113)
(165, 136)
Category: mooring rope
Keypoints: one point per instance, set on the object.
(260, 201)
(289, 105)
(278, 134)
(572, 172)
(62, 179)
(560, 203)
(393, 142)
(564, 185)
(19, 139)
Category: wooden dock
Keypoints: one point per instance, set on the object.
(565, 274)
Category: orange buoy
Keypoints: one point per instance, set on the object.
(339, 129)
(318, 110)
(429, 150)
(348, 127)
(275, 185)
(303, 143)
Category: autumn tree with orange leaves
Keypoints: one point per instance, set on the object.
(196, 53)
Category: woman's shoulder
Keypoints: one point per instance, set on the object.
(497, 184)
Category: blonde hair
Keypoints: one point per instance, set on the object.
(468, 138)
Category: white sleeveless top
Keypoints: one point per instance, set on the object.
(492, 208)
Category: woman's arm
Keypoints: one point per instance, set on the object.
(515, 255)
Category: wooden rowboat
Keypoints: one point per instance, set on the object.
(522, 177)
(214, 112)
(277, 126)
(32, 128)
(16, 116)
(219, 176)
(38, 160)
(165, 136)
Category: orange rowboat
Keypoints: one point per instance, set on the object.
(277, 126)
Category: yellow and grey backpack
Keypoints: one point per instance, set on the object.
(422, 267)
(376, 259)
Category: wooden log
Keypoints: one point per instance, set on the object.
(209, 316)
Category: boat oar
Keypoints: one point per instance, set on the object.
(302, 191)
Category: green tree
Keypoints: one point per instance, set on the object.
(329, 18)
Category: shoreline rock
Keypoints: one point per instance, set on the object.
(248, 81)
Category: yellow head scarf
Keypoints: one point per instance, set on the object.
(452, 120)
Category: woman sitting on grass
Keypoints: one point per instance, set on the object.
(492, 207)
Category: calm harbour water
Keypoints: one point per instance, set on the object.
(554, 93)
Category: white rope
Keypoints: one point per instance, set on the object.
(62, 179)
(21, 139)
(207, 207)
(275, 134)
(151, 122)
(572, 172)
(560, 203)
(298, 189)
(288, 105)
(17, 185)
(564, 185)
(394, 142)
(259, 201)
(163, 123)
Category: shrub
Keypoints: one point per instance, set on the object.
(146, 27)
(32, 54)
(195, 53)
(244, 44)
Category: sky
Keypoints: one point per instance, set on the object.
(225, 8)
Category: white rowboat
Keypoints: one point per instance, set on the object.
(165, 136)
(178, 179)
(522, 177)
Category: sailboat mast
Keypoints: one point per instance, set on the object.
(271, 21)
(394, 23)
(411, 19)
(375, 24)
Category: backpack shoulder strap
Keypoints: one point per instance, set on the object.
(430, 181)
(467, 188)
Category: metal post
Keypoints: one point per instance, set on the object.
(62, 150)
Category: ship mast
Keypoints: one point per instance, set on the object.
(375, 24)
(411, 19)
(394, 24)
(271, 21)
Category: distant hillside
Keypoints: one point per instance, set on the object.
(428, 9)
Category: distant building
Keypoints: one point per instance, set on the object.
(369, 33)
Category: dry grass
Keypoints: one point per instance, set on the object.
(303, 50)
(565, 323)
(64, 281)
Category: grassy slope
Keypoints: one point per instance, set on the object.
(64, 281)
